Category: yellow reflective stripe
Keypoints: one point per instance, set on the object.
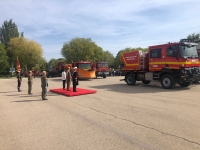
(175, 63)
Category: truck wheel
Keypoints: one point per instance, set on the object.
(130, 80)
(185, 84)
(167, 81)
(146, 82)
(104, 76)
(196, 81)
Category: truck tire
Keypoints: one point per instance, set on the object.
(146, 82)
(167, 81)
(185, 84)
(130, 80)
(196, 81)
(104, 76)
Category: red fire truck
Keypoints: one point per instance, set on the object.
(101, 69)
(170, 63)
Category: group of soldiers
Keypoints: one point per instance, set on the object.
(44, 83)
(66, 77)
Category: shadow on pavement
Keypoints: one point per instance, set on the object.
(29, 101)
(29, 95)
(60, 80)
(20, 95)
(139, 88)
(8, 92)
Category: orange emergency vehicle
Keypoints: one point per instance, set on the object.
(171, 63)
(84, 70)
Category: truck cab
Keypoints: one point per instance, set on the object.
(101, 69)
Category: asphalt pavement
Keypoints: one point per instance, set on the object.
(117, 117)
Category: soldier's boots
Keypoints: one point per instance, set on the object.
(19, 90)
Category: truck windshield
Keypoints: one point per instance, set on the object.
(102, 65)
(85, 66)
(187, 51)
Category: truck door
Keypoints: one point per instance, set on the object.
(171, 58)
(156, 62)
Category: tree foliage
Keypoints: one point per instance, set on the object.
(81, 49)
(3, 58)
(7, 31)
(194, 36)
(28, 51)
(108, 57)
(52, 63)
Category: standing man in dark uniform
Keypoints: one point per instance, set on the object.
(68, 78)
(30, 82)
(19, 80)
(75, 79)
(44, 85)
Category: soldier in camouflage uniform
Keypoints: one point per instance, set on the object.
(44, 85)
(30, 82)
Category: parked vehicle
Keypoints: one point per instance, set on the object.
(101, 69)
(56, 71)
(169, 64)
(85, 70)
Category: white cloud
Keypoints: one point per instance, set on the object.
(113, 24)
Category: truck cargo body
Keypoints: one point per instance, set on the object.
(167, 63)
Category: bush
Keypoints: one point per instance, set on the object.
(6, 74)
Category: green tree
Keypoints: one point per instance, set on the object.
(81, 49)
(28, 51)
(3, 58)
(7, 31)
(52, 63)
(98, 53)
(61, 60)
(194, 36)
(43, 64)
(108, 57)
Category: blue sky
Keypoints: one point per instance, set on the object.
(111, 24)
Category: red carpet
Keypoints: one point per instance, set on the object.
(80, 91)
